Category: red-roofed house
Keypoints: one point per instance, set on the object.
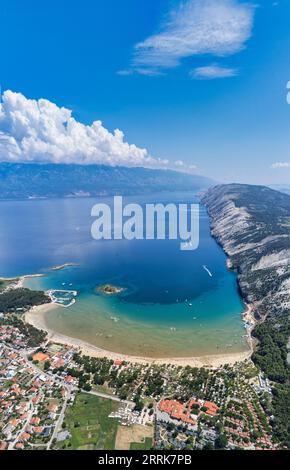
(36, 400)
(53, 408)
(58, 363)
(176, 410)
(35, 420)
(69, 379)
(118, 362)
(24, 437)
(19, 445)
(3, 445)
(38, 429)
(14, 422)
(212, 408)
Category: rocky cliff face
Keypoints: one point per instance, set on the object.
(252, 223)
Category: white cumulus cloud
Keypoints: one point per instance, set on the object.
(141, 71)
(216, 27)
(211, 72)
(40, 131)
(278, 165)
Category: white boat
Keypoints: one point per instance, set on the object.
(115, 319)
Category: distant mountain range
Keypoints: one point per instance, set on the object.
(31, 180)
(283, 188)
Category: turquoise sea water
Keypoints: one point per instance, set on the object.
(171, 306)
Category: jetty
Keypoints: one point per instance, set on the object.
(65, 298)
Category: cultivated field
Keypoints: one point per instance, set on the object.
(89, 425)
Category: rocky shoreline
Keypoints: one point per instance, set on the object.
(63, 266)
(250, 224)
(109, 289)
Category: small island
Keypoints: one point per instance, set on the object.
(109, 289)
(63, 266)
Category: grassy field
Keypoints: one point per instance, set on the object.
(135, 437)
(3, 284)
(88, 423)
(147, 445)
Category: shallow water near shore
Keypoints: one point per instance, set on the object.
(171, 307)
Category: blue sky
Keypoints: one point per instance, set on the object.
(214, 102)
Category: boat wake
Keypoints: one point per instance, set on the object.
(207, 270)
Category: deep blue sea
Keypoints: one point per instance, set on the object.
(171, 305)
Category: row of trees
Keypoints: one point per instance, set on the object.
(271, 357)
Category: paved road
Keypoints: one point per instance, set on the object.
(58, 425)
(27, 421)
(111, 397)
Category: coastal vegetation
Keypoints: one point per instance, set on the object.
(3, 284)
(280, 408)
(33, 336)
(13, 300)
(271, 357)
(271, 353)
(13, 303)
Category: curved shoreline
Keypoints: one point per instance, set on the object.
(17, 282)
(36, 317)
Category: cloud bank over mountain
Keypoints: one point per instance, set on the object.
(40, 131)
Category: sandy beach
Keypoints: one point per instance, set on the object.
(18, 282)
(36, 317)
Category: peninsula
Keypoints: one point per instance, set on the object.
(252, 224)
(63, 266)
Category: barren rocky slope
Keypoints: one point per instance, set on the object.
(252, 223)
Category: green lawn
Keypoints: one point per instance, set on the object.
(88, 423)
(147, 445)
(3, 284)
